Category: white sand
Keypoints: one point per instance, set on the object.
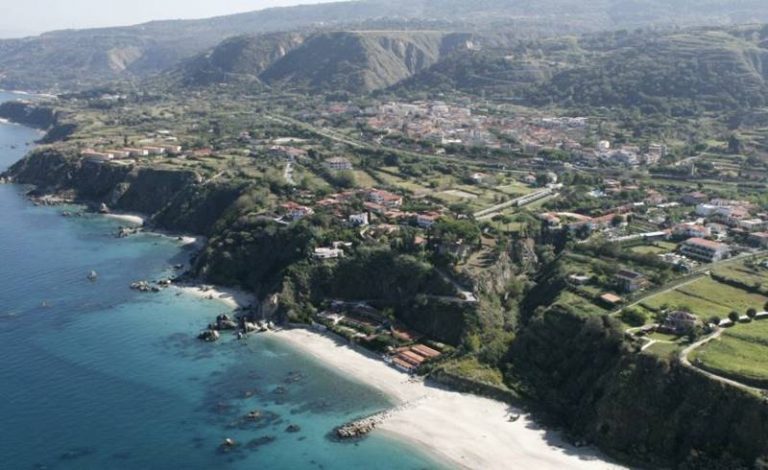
(129, 218)
(466, 430)
(233, 298)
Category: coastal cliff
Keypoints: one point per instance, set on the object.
(175, 200)
(582, 374)
(41, 117)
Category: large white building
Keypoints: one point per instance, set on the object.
(705, 250)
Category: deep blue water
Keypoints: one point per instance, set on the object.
(96, 376)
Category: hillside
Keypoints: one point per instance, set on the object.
(361, 62)
(81, 58)
(238, 58)
(673, 73)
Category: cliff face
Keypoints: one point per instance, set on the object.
(37, 116)
(21, 112)
(586, 377)
(174, 200)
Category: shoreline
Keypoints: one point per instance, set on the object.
(134, 219)
(466, 430)
(234, 298)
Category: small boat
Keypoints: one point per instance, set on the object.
(93, 275)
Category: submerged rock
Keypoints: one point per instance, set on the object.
(261, 441)
(228, 445)
(293, 428)
(209, 336)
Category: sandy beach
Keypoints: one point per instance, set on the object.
(465, 430)
(127, 218)
(232, 298)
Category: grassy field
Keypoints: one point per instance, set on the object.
(741, 272)
(579, 304)
(740, 353)
(707, 297)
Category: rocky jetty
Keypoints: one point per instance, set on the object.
(362, 427)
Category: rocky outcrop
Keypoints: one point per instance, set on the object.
(209, 336)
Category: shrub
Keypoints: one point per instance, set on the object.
(633, 317)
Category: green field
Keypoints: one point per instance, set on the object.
(740, 353)
(743, 273)
(707, 297)
(580, 304)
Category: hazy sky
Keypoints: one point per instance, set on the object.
(26, 17)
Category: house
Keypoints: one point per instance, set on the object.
(328, 253)
(155, 150)
(338, 164)
(630, 281)
(385, 198)
(427, 220)
(295, 211)
(359, 220)
(753, 225)
(654, 197)
(334, 251)
(136, 152)
(704, 250)
(579, 279)
(173, 149)
(289, 153)
(611, 299)
(478, 178)
(685, 231)
(119, 154)
(695, 198)
(94, 156)
(678, 323)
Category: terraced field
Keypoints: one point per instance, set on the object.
(740, 354)
(707, 297)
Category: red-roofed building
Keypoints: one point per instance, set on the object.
(705, 250)
(295, 211)
(385, 198)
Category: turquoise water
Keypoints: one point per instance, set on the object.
(94, 375)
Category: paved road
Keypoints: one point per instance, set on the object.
(687, 363)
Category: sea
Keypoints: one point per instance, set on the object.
(94, 375)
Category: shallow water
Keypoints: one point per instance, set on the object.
(94, 375)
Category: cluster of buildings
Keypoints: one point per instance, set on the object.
(434, 121)
(410, 358)
(130, 152)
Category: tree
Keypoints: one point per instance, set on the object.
(633, 317)
(734, 316)
(751, 313)
(734, 144)
(714, 320)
